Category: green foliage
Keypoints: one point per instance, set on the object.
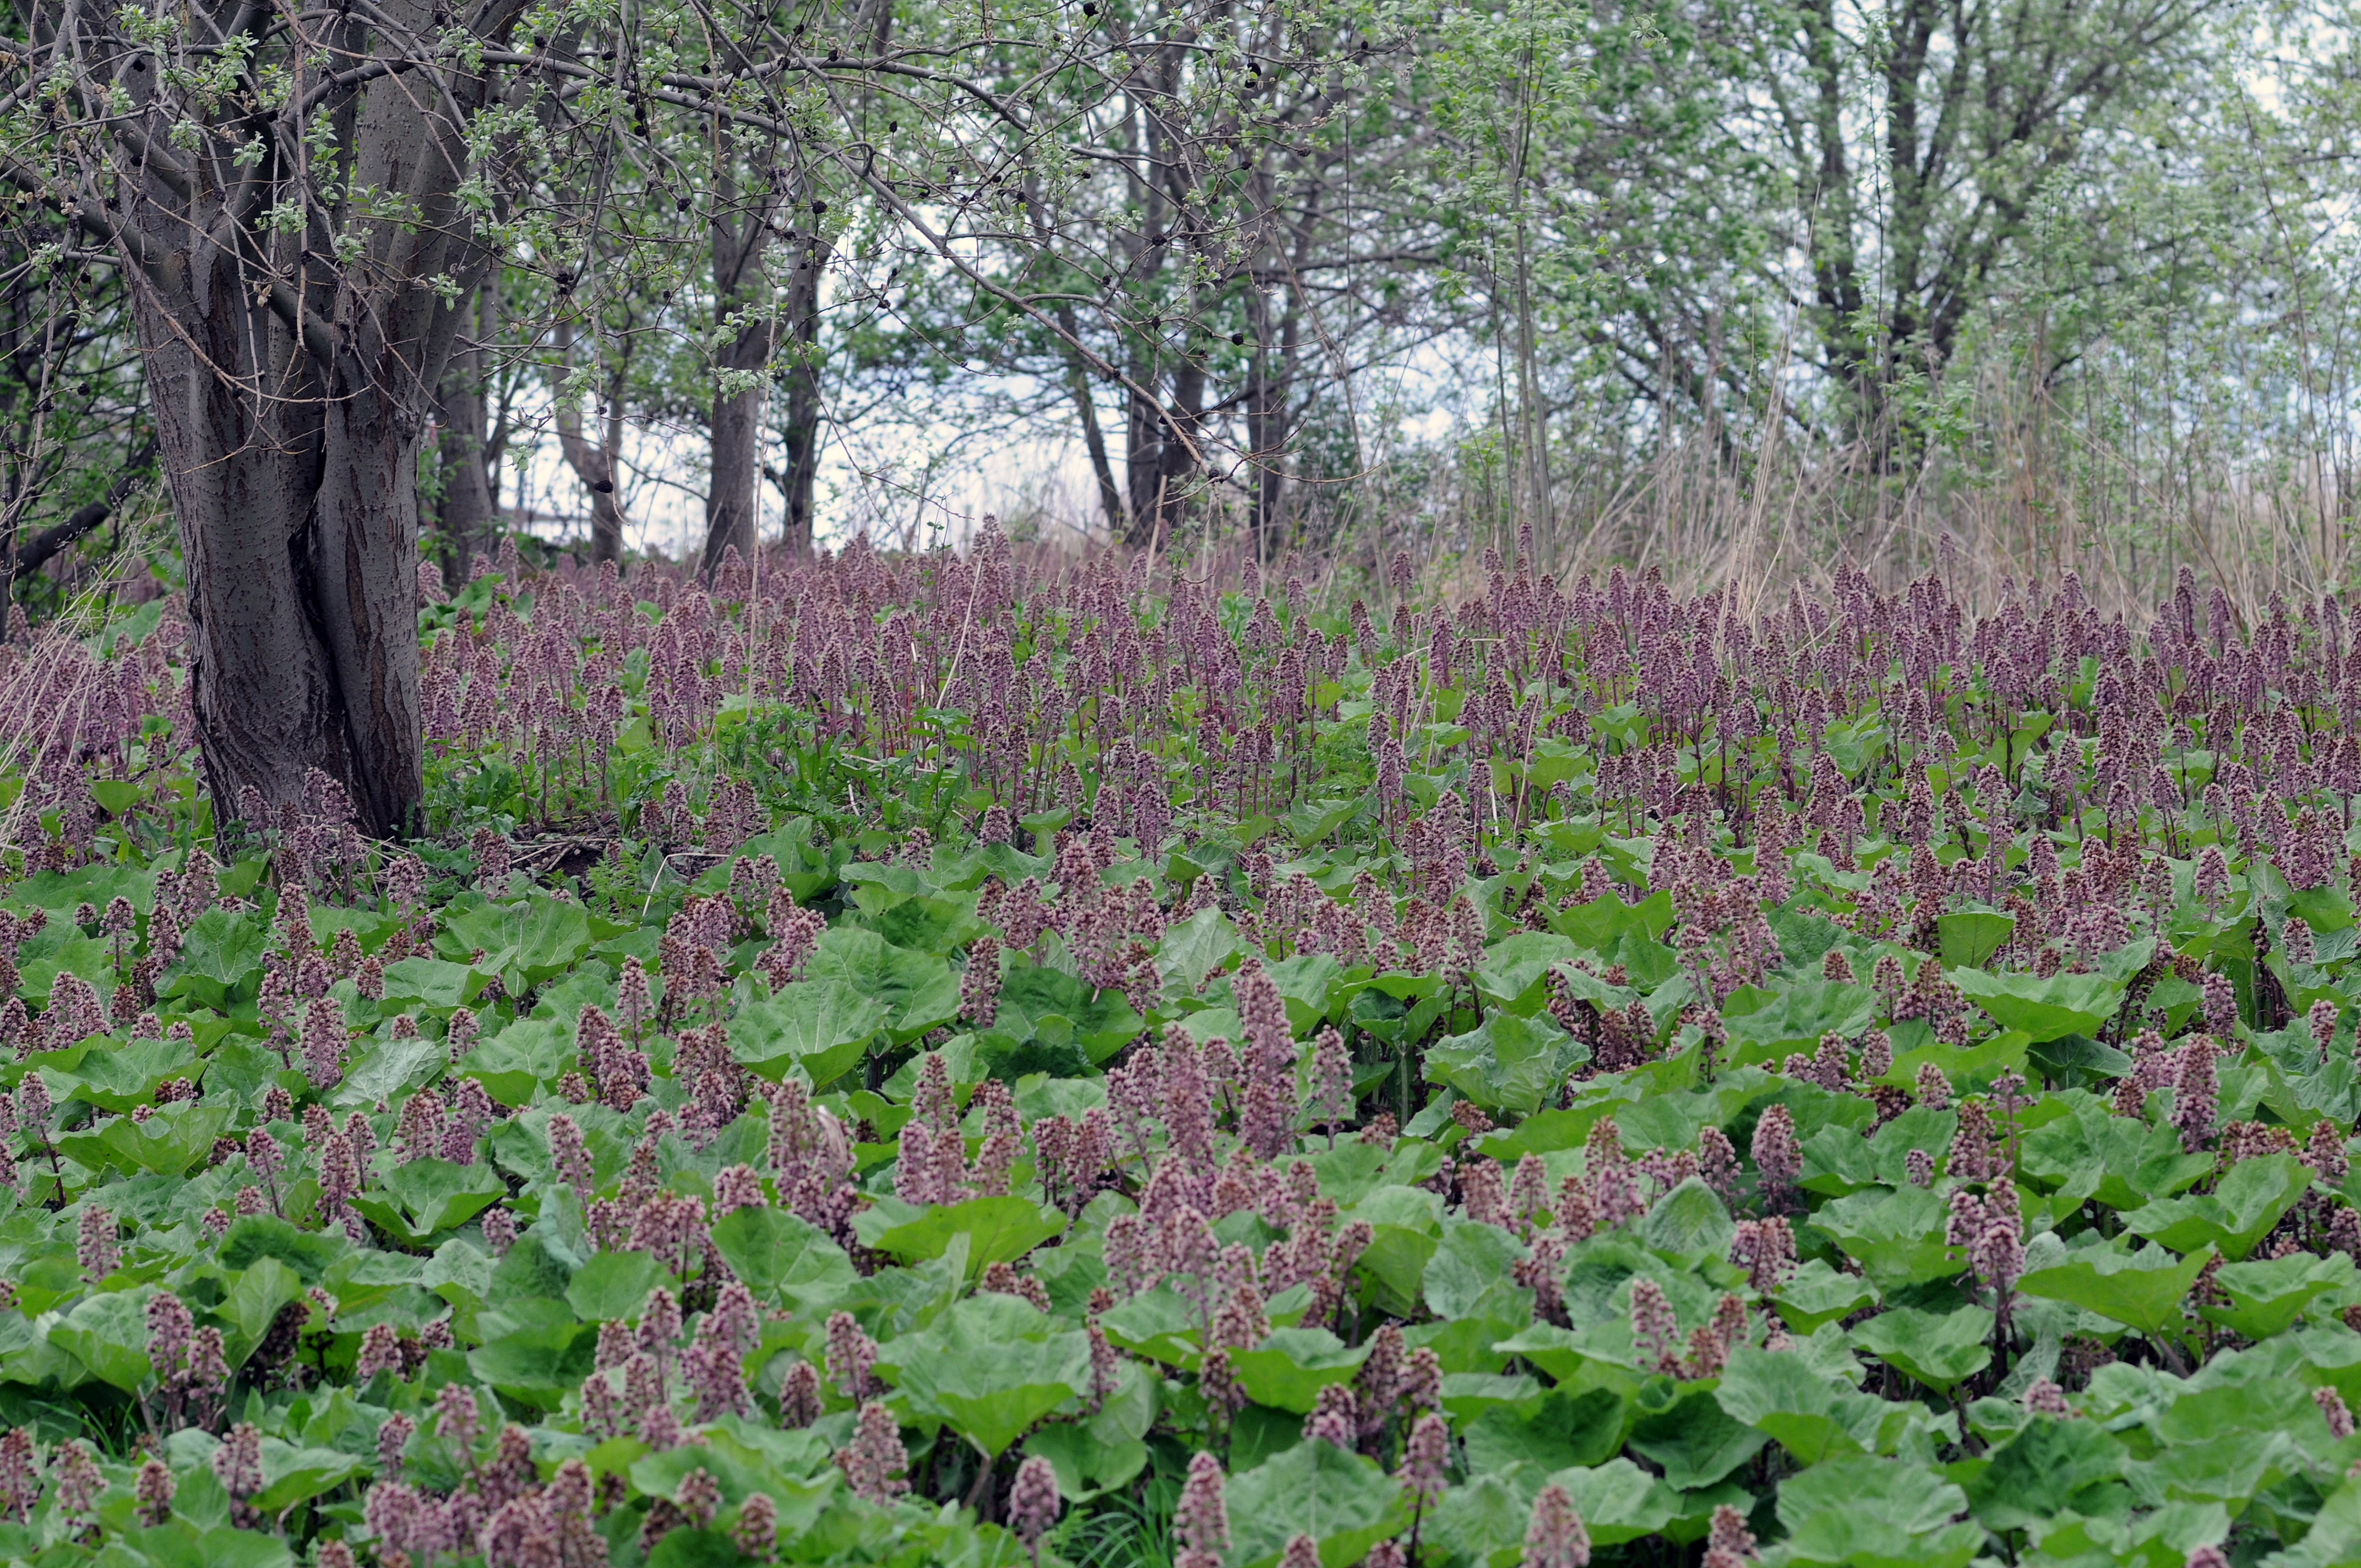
(1909, 1232)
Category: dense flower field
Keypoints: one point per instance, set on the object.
(971, 1061)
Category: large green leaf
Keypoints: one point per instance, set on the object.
(538, 937)
(107, 1333)
(1468, 1276)
(2036, 1474)
(521, 1058)
(613, 1286)
(808, 870)
(1810, 1416)
(390, 1071)
(2266, 1295)
(252, 1301)
(821, 1026)
(1815, 1294)
(1618, 1501)
(2335, 1533)
(421, 1198)
(168, 1143)
(1344, 1502)
(95, 885)
(1876, 1513)
(1160, 1324)
(221, 952)
(1085, 1466)
(1938, 1349)
(998, 1229)
(292, 1474)
(1308, 984)
(538, 1366)
(1896, 1237)
(1695, 1442)
(1193, 948)
(2231, 1219)
(1288, 1370)
(1100, 1023)
(2119, 1160)
(434, 985)
(781, 1257)
(119, 1077)
(1484, 1520)
(2142, 1290)
(992, 1368)
(1601, 923)
(1690, 1222)
(310, 1253)
(1514, 975)
(1506, 1063)
(181, 1543)
(919, 989)
(1555, 1432)
(1796, 1017)
(923, 924)
(1969, 937)
(2043, 1009)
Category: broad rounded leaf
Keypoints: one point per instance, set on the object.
(1344, 1502)
(821, 1026)
(2045, 1009)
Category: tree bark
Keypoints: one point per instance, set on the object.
(470, 512)
(291, 393)
(1078, 384)
(739, 289)
(802, 413)
(595, 465)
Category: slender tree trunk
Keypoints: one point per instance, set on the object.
(1263, 434)
(1144, 439)
(1146, 433)
(1078, 384)
(803, 411)
(594, 464)
(1829, 214)
(470, 513)
(738, 289)
(1181, 445)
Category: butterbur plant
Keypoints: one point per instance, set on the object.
(966, 1055)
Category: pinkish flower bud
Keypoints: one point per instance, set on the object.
(756, 1533)
(237, 1463)
(1335, 1417)
(152, 1494)
(1426, 1455)
(1776, 1154)
(1033, 1502)
(1201, 1521)
(875, 1461)
(1555, 1537)
(392, 1439)
(94, 1246)
(380, 1351)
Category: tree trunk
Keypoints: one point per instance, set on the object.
(1143, 465)
(802, 436)
(738, 286)
(470, 512)
(1078, 384)
(595, 465)
(1184, 439)
(289, 416)
(1265, 429)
